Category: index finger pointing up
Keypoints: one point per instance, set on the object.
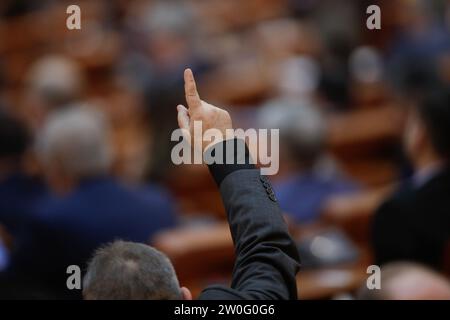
(190, 89)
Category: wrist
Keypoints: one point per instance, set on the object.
(227, 156)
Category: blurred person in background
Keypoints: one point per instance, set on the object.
(159, 38)
(310, 174)
(421, 41)
(52, 82)
(88, 208)
(162, 36)
(18, 190)
(19, 193)
(414, 223)
(298, 79)
(408, 281)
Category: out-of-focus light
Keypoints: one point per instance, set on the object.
(323, 248)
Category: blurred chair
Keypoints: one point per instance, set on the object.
(328, 283)
(199, 254)
(360, 139)
(353, 212)
(364, 131)
(333, 280)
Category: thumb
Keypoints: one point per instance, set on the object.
(183, 117)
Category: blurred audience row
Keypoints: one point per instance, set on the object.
(86, 118)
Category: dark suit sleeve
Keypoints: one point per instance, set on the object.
(266, 256)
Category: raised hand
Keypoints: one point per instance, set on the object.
(211, 117)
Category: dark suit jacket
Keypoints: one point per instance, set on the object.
(414, 224)
(266, 257)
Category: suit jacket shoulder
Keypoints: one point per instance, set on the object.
(414, 224)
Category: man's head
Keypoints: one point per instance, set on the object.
(302, 130)
(408, 281)
(427, 135)
(74, 145)
(52, 82)
(131, 271)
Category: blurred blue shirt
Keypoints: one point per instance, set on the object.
(18, 196)
(302, 195)
(66, 231)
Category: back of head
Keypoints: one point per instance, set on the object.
(302, 128)
(409, 281)
(55, 80)
(77, 140)
(14, 138)
(130, 271)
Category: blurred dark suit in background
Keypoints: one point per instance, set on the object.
(414, 224)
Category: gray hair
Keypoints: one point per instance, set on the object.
(76, 137)
(301, 126)
(57, 79)
(130, 271)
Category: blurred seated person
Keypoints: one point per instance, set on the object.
(18, 190)
(421, 43)
(52, 82)
(311, 176)
(414, 223)
(164, 46)
(19, 193)
(89, 208)
(408, 281)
